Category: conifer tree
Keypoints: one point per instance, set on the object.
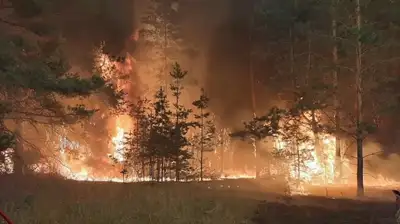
(206, 126)
(160, 143)
(181, 123)
(137, 140)
(36, 82)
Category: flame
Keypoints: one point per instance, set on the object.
(118, 141)
(76, 168)
(309, 164)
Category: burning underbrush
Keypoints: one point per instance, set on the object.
(295, 166)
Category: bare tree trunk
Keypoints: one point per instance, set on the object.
(252, 86)
(170, 170)
(19, 166)
(165, 73)
(158, 169)
(309, 62)
(143, 170)
(359, 117)
(202, 145)
(162, 169)
(151, 168)
(292, 51)
(317, 140)
(222, 156)
(298, 163)
(177, 147)
(338, 158)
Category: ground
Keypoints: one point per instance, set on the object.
(52, 201)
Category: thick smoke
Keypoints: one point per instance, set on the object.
(86, 26)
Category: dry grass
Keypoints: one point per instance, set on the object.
(56, 201)
(68, 202)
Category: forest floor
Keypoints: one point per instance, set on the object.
(56, 201)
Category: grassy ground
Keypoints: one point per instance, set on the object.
(53, 201)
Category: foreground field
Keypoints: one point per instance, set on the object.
(52, 201)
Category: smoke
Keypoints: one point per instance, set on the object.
(380, 164)
(87, 24)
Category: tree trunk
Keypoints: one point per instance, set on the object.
(177, 170)
(252, 86)
(170, 170)
(201, 144)
(143, 170)
(338, 158)
(298, 164)
(19, 167)
(158, 170)
(151, 168)
(257, 159)
(309, 58)
(292, 51)
(359, 117)
(222, 156)
(165, 72)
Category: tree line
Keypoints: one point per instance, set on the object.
(166, 133)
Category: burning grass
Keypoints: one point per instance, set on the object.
(52, 200)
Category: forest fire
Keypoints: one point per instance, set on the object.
(73, 155)
(309, 159)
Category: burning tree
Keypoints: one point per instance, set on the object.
(38, 89)
(160, 140)
(224, 143)
(295, 148)
(260, 128)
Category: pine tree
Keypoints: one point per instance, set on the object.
(160, 149)
(36, 82)
(181, 123)
(137, 141)
(206, 126)
(366, 44)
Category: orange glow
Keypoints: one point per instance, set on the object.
(319, 168)
(77, 168)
